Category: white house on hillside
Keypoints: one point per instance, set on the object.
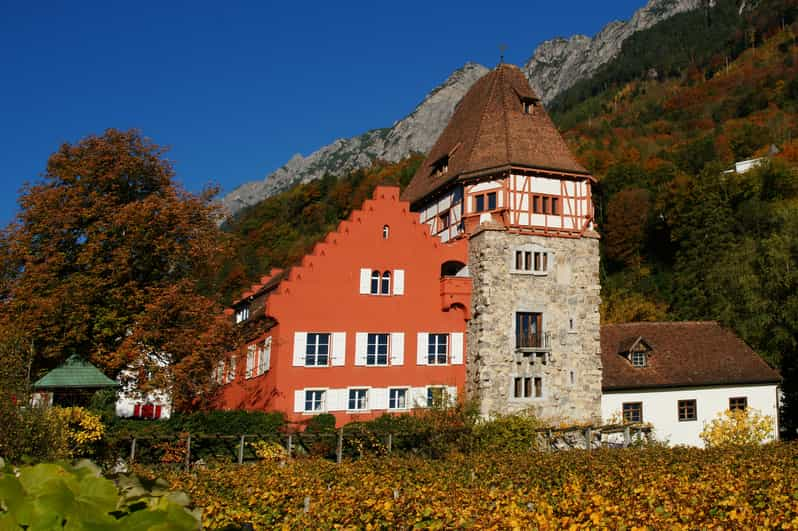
(133, 403)
(677, 376)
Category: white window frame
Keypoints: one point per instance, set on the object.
(322, 401)
(365, 399)
(377, 336)
(386, 279)
(232, 365)
(264, 356)
(639, 359)
(218, 375)
(382, 283)
(433, 344)
(406, 391)
(445, 399)
(316, 354)
(376, 277)
(242, 313)
(252, 360)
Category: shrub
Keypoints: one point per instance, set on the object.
(58, 495)
(740, 427)
(82, 429)
(31, 434)
(237, 422)
(269, 451)
(508, 432)
(319, 435)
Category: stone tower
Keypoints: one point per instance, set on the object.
(501, 176)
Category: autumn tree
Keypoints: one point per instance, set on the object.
(104, 260)
(627, 219)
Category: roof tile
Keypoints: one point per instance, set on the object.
(684, 354)
(490, 130)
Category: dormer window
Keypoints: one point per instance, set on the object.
(636, 350)
(528, 105)
(440, 166)
(242, 314)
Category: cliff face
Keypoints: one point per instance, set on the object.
(555, 66)
(559, 63)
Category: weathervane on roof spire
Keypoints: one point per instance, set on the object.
(502, 49)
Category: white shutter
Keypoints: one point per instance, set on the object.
(300, 343)
(336, 399)
(399, 282)
(338, 349)
(451, 393)
(250, 360)
(397, 348)
(421, 348)
(361, 340)
(456, 348)
(418, 397)
(299, 401)
(378, 398)
(365, 281)
(266, 355)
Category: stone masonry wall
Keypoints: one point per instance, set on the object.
(569, 292)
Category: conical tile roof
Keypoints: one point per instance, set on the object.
(490, 130)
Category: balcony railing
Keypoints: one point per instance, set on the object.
(533, 341)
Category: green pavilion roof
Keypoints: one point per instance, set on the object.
(74, 372)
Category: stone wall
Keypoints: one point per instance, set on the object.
(568, 298)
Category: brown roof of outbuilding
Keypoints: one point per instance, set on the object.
(490, 130)
(684, 354)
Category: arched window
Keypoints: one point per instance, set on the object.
(385, 232)
(451, 268)
(385, 288)
(375, 282)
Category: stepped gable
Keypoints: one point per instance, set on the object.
(383, 196)
(265, 284)
(683, 354)
(490, 130)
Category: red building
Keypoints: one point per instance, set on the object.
(373, 320)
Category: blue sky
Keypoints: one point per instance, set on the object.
(236, 88)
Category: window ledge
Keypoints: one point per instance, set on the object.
(532, 349)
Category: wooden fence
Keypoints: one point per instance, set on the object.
(547, 439)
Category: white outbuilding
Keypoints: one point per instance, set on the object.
(678, 376)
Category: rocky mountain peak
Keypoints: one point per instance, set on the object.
(559, 63)
(555, 66)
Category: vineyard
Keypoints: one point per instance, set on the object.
(655, 488)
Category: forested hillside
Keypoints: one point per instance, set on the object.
(682, 239)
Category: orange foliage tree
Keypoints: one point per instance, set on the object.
(627, 216)
(105, 259)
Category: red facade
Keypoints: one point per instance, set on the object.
(373, 320)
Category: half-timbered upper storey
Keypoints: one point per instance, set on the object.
(501, 160)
